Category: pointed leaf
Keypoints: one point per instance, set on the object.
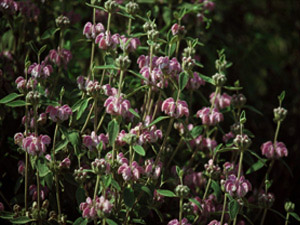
(9, 98)
(113, 131)
(233, 207)
(158, 120)
(183, 80)
(17, 103)
(166, 193)
(139, 150)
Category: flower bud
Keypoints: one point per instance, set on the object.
(182, 190)
(149, 26)
(62, 21)
(188, 63)
(289, 207)
(132, 8)
(238, 101)
(235, 128)
(45, 204)
(110, 6)
(188, 52)
(33, 97)
(187, 208)
(279, 114)
(16, 208)
(152, 35)
(123, 62)
(219, 79)
(243, 142)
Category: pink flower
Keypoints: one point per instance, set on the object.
(36, 145)
(237, 188)
(108, 90)
(18, 138)
(33, 191)
(228, 136)
(270, 152)
(221, 101)
(175, 109)
(60, 56)
(1, 207)
(40, 70)
(92, 141)
(92, 31)
(132, 172)
(177, 29)
(8, 6)
(21, 167)
(210, 118)
(152, 171)
(184, 221)
(59, 113)
(116, 106)
(92, 208)
(215, 222)
(107, 41)
(101, 166)
(131, 46)
(66, 163)
(195, 82)
(194, 180)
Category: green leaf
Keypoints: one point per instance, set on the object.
(82, 108)
(125, 15)
(33, 47)
(139, 150)
(107, 180)
(96, 7)
(74, 138)
(42, 167)
(217, 190)
(49, 33)
(7, 215)
(18, 184)
(166, 193)
(137, 75)
(227, 149)
(256, 166)
(281, 96)
(287, 166)
(206, 78)
(243, 117)
(158, 120)
(128, 196)
(196, 203)
(77, 104)
(196, 131)
(134, 113)
(17, 103)
(113, 131)
(147, 190)
(42, 49)
(233, 207)
(295, 215)
(115, 184)
(9, 98)
(21, 220)
(106, 67)
(49, 179)
(253, 109)
(167, 15)
(61, 145)
(80, 221)
(80, 195)
(110, 222)
(183, 80)
(230, 88)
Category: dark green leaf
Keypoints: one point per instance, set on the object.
(281, 96)
(139, 150)
(147, 190)
(134, 113)
(113, 131)
(183, 80)
(166, 193)
(107, 180)
(49, 179)
(253, 109)
(9, 98)
(137, 74)
(229, 149)
(233, 207)
(217, 190)
(233, 88)
(243, 117)
(196, 203)
(295, 215)
(110, 222)
(21, 220)
(255, 167)
(287, 166)
(128, 196)
(42, 49)
(77, 104)
(126, 15)
(61, 145)
(80, 221)
(17, 103)
(96, 7)
(49, 33)
(206, 78)
(18, 184)
(7, 215)
(196, 131)
(158, 120)
(115, 184)
(80, 195)
(42, 167)
(82, 108)
(106, 67)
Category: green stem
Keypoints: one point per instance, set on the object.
(88, 118)
(129, 26)
(108, 21)
(26, 181)
(263, 217)
(240, 164)
(214, 99)
(287, 219)
(276, 132)
(207, 188)
(101, 120)
(180, 210)
(224, 208)
(97, 186)
(174, 152)
(38, 184)
(120, 83)
(235, 219)
(95, 115)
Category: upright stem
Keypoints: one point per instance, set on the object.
(175, 151)
(120, 83)
(224, 208)
(264, 216)
(240, 164)
(287, 219)
(93, 49)
(129, 26)
(26, 180)
(108, 21)
(97, 186)
(207, 188)
(88, 118)
(95, 115)
(38, 184)
(180, 210)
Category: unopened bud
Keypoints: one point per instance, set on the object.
(238, 101)
(123, 62)
(182, 190)
(219, 79)
(132, 8)
(62, 21)
(289, 207)
(242, 141)
(110, 6)
(152, 35)
(279, 114)
(149, 26)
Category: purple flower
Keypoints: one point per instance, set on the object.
(268, 150)
(215, 222)
(175, 109)
(237, 188)
(92, 31)
(21, 167)
(194, 179)
(106, 41)
(184, 221)
(40, 70)
(92, 141)
(33, 191)
(35, 145)
(131, 46)
(60, 56)
(100, 166)
(177, 29)
(221, 101)
(92, 208)
(59, 113)
(116, 106)
(210, 118)
(8, 6)
(66, 163)
(228, 136)
(132, 172)
(195, 82)
(152, 170)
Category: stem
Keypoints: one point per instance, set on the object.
(224, 208)
(97, 186)
(88, 118)
(287, 219)
(165, 141)
(177, 48)
(234, 221)
(276, 132)
(26, 180)
(129, 26)
(206, 189)
(214, 99)
(180, 210)
(38, 192)
(101, 120)
(240, 164)
(120, 83)
(95, 115)
(55, 174)
(174, 152)
(263, 217)
(108, 21)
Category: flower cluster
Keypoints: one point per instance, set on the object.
(26, 86)
(175, 109)
(184, 221)
(221, 101)
(42, 70)
(59, 56)
(91, 31)
(33, 192)
(237, 187)
(59, 113)
(92, 209)
(117, 105)
(131, 171)
(92, 141)
(195, 82)
(272, 151)
(210, 117)
(32, 144)
(152, 170)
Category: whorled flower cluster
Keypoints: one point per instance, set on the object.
(92, 141)
(117, 105)
(210, 117)
(272, 151)
(129, 171)
(59, 113)
(92, 209)
(59, 57)
(221, 101)
(42, 70)
(237, 187)
(195, 82)
(175, 109)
